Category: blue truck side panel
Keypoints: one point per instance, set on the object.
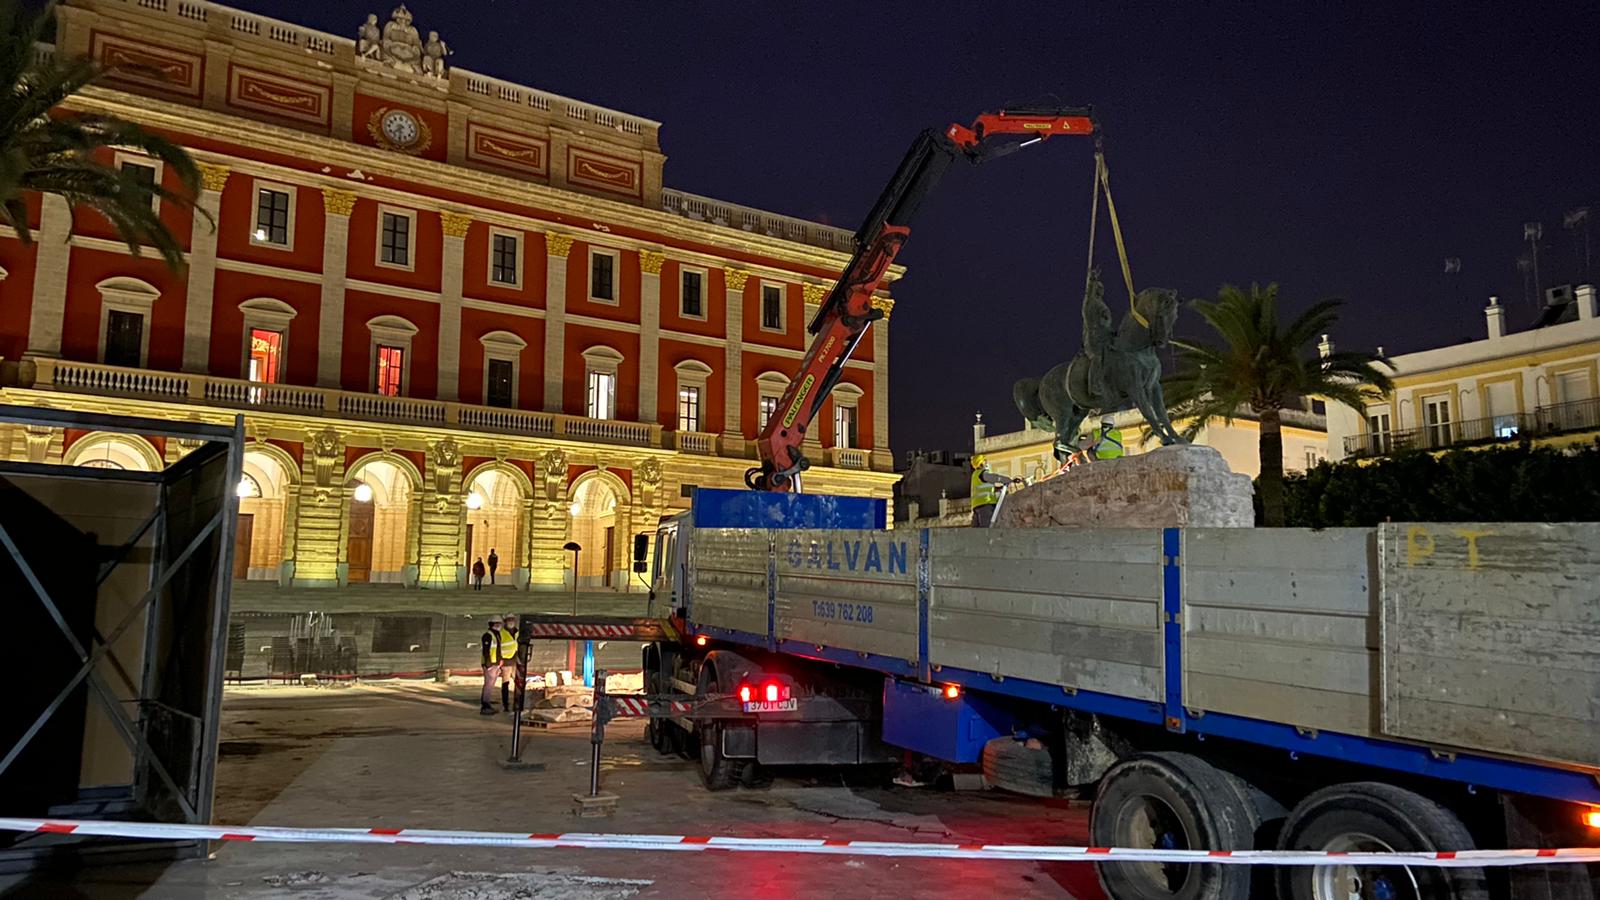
(950, 731)
(720, 508)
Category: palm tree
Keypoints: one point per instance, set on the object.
(43, 151)
(1264, 366)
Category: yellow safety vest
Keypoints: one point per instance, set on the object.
(1110, 444)
(982, 491)
(508, 644)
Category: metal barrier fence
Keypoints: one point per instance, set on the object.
(276, 646)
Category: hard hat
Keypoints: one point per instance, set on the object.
(979, 460)
(495, 620)
(509, 617)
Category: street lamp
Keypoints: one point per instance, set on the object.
(574, 548)
(474, 500)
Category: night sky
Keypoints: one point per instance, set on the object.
(1339, 152)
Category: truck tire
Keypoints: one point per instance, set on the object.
(1370, 816)
(719, 772)
(1173, 801)
(657, 729)
(1008, 764)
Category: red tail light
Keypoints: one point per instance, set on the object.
(744, 693)
(772, 692)
(952, 691)
(700, 640)
(1592, 818)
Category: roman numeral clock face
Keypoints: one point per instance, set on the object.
(399, 130)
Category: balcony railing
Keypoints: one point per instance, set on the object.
(233, 393)
(744, 218)
(1560, 418)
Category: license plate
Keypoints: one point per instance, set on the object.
(763, 706)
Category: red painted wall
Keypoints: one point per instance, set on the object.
(475, 269)
(711, 404)
(293, 448)
(236, 219)
(80, 337)
(715, 306)
(361, 307)
(626, 309)
(794, 333)
(427, 248)
(574, 384)
(299, 364)
(530, 367)
(179, 221)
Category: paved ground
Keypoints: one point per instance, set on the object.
(418, 755)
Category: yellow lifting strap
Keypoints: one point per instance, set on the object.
(1103, 183)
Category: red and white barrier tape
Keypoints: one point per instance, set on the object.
(556, 629)
(1033, 852)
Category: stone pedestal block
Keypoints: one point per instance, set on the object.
(1182, 485)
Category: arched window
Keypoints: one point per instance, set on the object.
(600, 381)
(692, 377)
(391, 354)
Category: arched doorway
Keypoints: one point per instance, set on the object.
(106, 450)
(263, 507)
(597, 527)
(495, 501)
(380, 520)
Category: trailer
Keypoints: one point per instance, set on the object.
(1427, 687)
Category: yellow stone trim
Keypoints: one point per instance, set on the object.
(885, 304)
(455, 224)
(814, 293)
(557, 244)
(736, 277)
(212, 176)
(337, 202)
(1452, 391)
(650, 262)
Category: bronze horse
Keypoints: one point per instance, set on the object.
(1118, 370)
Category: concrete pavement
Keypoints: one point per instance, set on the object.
(418, 755)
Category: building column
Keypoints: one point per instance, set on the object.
(455, 239)
(811, 444)
(336, 207)
(556, 246)
(547, 525)
(202, 270)
(650, 263)
(733, 367)
(882, 456)
(319, 523)
(440, 531)
(343, 105)
(50, 277)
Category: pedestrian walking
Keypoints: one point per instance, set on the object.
(477, 575)
(494, 563)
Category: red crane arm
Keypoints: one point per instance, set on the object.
(842, 319)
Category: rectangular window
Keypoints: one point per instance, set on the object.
(1378, 432)
(503, 262)
(124, 338)
(272, 217)
(391, 369)
(501, 374)
(395, 247)
(844, 425)
(602, 391)
(772, 307)
(689, 409)
(767, 409)
(265, 349)
(144, 179)
(603, 277)
(693, 295)
(1436, 419)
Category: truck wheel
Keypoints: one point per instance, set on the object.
(1374, 817)
(657, 729)
(719, 772)
(1173, 801)
(1010, 765)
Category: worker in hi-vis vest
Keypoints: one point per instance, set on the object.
(983, 491)
(1108, 441)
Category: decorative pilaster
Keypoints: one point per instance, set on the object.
(548, 525)
(882, 457)
(319, 528)
(50, 277)
(343, 105)
(650, 263)
(202, 270)
(455, 239)
(336, 207)
(557, 246)
(39, 438)
(439, 526)
(733, 367)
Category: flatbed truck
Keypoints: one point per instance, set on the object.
(1427, 687)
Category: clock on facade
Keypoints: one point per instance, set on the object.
(397, 129)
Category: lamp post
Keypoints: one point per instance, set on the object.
(588, 646)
